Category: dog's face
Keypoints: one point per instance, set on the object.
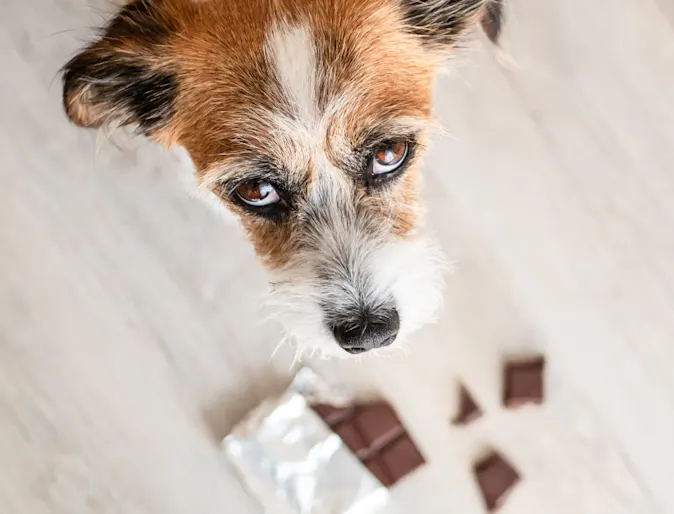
(307, 118)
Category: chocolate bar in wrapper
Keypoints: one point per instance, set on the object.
(294, 463)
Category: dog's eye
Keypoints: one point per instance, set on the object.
(388, 157)
(258, 193)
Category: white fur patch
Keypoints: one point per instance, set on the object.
(292, 53)
(412, 271)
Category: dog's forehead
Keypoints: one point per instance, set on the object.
(295, 81)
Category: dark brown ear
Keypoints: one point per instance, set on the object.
(492, 20)
(443, 22)
(123, 77)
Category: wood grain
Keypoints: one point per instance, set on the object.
(130, 335)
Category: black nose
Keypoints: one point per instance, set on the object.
(369, 332)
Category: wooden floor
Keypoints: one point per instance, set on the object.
(130, 340)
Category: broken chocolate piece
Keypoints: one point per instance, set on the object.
(496, 478)
(375, 434)
(379, 424)
(468, 409)
(524, 382)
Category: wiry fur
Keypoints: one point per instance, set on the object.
(296, 93)
(120, 79)
(442, 22)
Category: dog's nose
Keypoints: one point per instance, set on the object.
(368, 333)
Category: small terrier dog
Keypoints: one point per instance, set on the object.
(307, 119)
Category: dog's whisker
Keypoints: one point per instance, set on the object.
(281, 343)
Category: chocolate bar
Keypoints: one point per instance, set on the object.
(376, 436)
(469, 411)
(496, 478)
(524, 382)
(291, 461)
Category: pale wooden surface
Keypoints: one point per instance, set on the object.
(130, 341)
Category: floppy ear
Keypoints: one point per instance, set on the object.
(492, 20)
(442, 23)
(124, 76)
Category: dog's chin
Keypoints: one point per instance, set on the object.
(411, 271)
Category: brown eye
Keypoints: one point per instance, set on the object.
(389, 157)
(258, 194)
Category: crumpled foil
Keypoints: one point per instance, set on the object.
(294, 464)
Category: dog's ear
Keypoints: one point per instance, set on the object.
(442, 23)
(124, 77)
(492, 20)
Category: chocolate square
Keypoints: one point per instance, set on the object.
(401, 458)
(379, 471)
(496, 478)
(524, 382)
(379, 424)
(396, 461)
(469, 411)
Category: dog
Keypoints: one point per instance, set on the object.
(308, 120)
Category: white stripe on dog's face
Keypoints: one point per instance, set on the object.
(292, 53)
(331, 270)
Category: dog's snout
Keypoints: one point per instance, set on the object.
(368, 333)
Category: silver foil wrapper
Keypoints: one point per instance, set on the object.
(294, 464)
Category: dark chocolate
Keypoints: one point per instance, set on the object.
(496, 479)
(400, 458)
(375, 434)
(379, 471)
(352, 438)
(524, 382)
(379, 424)
(469, 411)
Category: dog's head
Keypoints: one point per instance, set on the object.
(307, 118)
